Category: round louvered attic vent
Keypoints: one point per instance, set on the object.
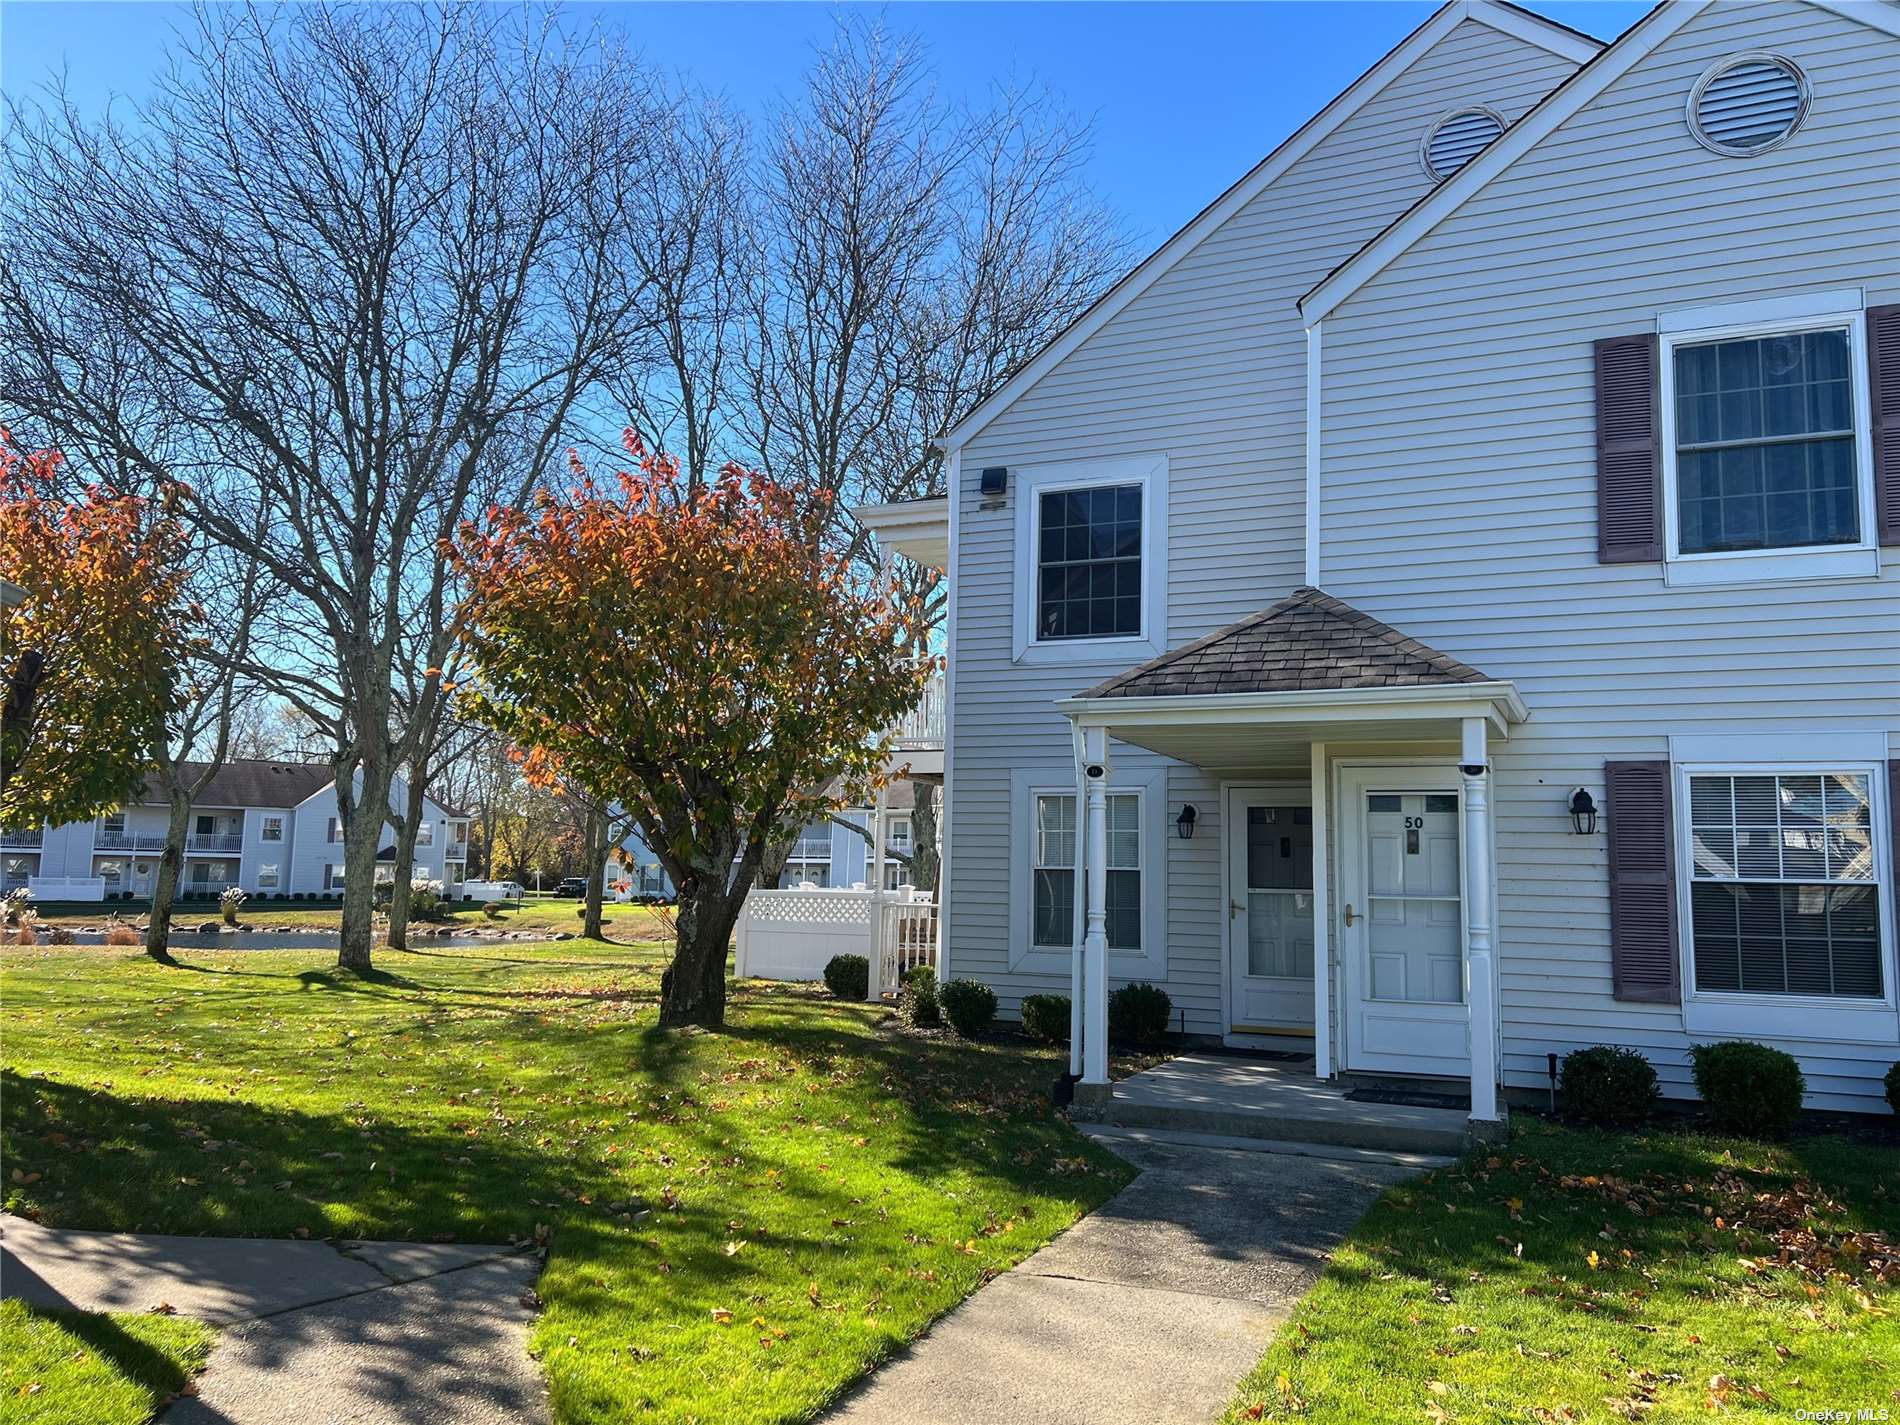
(1456, 139)
(1748, 103)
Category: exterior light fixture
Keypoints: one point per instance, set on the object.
(1583, 812)
(1184, 823)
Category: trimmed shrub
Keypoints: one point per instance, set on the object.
(1138, 1014)
(1893, 1088)
(969, 1005)
(1046, 1017)
(1748, 1088)
(917, 999)
(848, 976)
(1609, 1087)
(124, 935)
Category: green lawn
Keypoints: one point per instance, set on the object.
(77, 1368)
(741, 1222)
(1576, 1276)
(624, 923)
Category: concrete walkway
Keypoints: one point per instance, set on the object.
(394, 1333)
(1150, 1309)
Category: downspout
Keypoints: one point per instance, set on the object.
(1075, 929)
(953, 490)
(1313, 404)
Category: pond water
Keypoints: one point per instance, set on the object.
(290, 940)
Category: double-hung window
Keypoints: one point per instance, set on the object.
(1056, 835)
(1766, 447)
(425, 833)
(1785, 884)
(1091, 555)
(273, 829)
(1088, 563)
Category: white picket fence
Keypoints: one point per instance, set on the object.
(792, 935)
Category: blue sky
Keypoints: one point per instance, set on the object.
(1185, 97)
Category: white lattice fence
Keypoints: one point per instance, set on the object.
(790, 935)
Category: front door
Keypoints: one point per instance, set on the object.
(1269, 913)
(1401, 922)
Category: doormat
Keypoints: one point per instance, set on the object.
(1411, 1100)
(1275, 1056)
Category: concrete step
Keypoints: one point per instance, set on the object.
(1330, 1152)
(1237, 1098)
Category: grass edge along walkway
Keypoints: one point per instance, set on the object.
(90, 1368)
(1574, 1276)
(741, 1223)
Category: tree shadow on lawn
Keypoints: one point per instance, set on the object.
(228, 1167)
(1626, 1228)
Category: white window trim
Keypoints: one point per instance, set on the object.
(264, 828)
(1032, 482)
(268, 876)
(1816, 311)
(1150, 785)
(425, 833)
(1835, 1019)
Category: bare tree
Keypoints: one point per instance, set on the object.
(212, 692)
(354, 248)
(912, 259)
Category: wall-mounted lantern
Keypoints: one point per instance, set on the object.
(1184, 823)
(1583, 812)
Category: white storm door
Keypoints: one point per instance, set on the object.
(1402, 924)
(1269, 913)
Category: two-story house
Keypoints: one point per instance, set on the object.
(1442, 608)
(268, 827)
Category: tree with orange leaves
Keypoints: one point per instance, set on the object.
(696, 656)
(92, 652)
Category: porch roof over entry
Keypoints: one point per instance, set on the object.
(1309, 668)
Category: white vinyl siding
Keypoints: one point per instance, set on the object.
(1460, 496)
(1206, 367)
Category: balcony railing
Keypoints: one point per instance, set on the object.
(204, 890)
(922, 727)
(21, 838)
(128, 841)
(220, 843)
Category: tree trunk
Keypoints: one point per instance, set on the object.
(171, 863)
(362, 833)
(693, 988)
(772, 861)
(405, 867)
(923, 838)
(597, 849)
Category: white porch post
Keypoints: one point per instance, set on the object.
(1322, 924)
(1482, 993)
(1095, 938)
(1077, 984)
(874, 981)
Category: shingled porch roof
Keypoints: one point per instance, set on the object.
(1307, 642)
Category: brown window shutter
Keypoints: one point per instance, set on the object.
(1629, 451)
(1642, 882)
(1883, 386)
(1893, 820)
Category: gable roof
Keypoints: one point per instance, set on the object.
(244, 782)
(1553, 109)
(1526, 25)
(1308, 641)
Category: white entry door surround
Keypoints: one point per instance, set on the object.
(1268, 880)
(1402, 920)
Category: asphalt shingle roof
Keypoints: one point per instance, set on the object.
(1308, 641)
(242, 782)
